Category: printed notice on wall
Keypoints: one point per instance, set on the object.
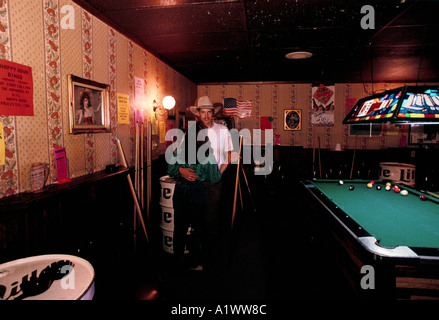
(123, 109)
(162, 131)
(139, 92)
(16, 89)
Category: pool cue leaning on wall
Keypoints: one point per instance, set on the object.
(237, 180)
(133, 192)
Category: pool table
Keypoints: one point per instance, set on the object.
(398, 235)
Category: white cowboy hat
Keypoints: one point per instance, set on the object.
(204, 102)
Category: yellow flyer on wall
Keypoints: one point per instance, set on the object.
(123, 109)
(154, 126)
(162, 131)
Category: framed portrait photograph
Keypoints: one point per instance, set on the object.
(293, 120)
(89, 109)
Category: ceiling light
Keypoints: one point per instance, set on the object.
(298, 55)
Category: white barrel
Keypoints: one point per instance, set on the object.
(167, 219)
(167, 214)
(76, 284)
(168, 240)
(167, 191)
(398, 172)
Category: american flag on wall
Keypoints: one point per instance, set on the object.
(240, 108)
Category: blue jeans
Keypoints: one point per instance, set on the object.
(190, 202)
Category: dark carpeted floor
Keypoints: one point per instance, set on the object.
(270, 254)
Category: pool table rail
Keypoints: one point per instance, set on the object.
(401, 272)
(364, 238)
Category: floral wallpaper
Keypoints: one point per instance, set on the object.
(9, 172)
(32, 33)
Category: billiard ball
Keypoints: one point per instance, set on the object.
(396, 189)
(340, 182)
(351, 187)
(378, 187)
(388, 188)
(404, 192)
(372, 182)
(388, 184)
(423, 197)
(369, 185)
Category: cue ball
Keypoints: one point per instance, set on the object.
(423, 197)
(404, 192)
(378, 187)
(340, 182)
(351, 187)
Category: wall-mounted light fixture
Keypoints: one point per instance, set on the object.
(168, 103)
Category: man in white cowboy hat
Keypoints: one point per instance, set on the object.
(219, 135)
(221, 144)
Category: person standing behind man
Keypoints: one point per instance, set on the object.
(221, 144)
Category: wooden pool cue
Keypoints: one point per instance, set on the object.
(237, 180)
(141, 166)
(240, 194)
(248, 188)
(148, 167)
(320, 163)
(133, 192)
(313, 161)
(136, 201)
(136, 179)
(353, 158)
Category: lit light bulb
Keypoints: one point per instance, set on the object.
(168, 102)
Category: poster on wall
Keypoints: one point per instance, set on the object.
(139, 93)
(322, 113)
(123, 109)
(16, 89)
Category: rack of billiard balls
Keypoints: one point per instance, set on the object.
(388, 187)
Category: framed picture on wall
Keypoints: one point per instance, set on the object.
(293, 120)
(89, 109)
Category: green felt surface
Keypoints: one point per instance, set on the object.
(394, 219)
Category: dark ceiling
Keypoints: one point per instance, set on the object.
(247, 40)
